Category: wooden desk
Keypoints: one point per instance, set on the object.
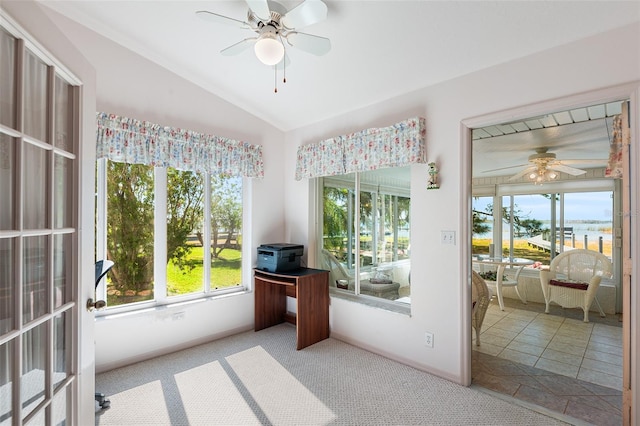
(310, 288)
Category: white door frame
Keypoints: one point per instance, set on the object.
(631, 324)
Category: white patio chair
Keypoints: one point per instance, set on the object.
(573, 279)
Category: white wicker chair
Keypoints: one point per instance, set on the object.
(338, 276)
(337, 271)
(573, 279)
(480, 298)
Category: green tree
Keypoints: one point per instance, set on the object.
(130, 204)
(130, 223)
(522, 223)
(184, 214)
(226, 213)
(479, 222)
(335, 217)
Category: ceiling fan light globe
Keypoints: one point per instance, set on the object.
(269, 50)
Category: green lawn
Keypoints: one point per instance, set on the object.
(520, 249)
(225, 272)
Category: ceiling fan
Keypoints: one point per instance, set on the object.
(543, 166)
(273, 25)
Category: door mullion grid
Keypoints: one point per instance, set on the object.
(18, 224)
(72, 354)
(48, 381)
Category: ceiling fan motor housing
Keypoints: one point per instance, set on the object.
(542, 157)
(276, 11)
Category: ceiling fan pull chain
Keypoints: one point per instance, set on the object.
(275, 80)
(284, 61)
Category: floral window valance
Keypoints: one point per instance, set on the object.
(128, 140)
(395, 146)
(619, 140)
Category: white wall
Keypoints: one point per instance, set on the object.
(437, 280)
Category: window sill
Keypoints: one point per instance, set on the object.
(374, 302)
(154, 306)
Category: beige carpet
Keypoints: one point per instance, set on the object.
(259, 378)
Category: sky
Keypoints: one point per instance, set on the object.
(578, 206)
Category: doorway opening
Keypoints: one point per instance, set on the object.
(539, 188)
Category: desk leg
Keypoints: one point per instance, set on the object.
(270, 304)
(313, 310)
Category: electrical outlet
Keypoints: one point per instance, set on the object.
(448, 237)
(428, 339)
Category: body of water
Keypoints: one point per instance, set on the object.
(592, 230)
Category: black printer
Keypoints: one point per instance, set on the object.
(279, 257)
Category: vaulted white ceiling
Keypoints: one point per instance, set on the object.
(380, 49)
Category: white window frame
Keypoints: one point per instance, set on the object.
(160, 244)
(355, 185)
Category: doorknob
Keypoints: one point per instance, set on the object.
(97, 305)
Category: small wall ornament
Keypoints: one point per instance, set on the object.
(432, 183)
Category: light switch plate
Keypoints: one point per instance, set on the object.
(448, 237)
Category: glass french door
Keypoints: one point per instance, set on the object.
(38, 236)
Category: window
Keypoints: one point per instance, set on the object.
(534, 226)
(366, 233)
(171, 234)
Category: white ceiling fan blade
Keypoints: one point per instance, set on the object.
(260, 8)
(306, 13)
(239, 47)
(309, 43)
(566, 169)
(601, 161)
(522, 173)
(220, 19)
(505, 168)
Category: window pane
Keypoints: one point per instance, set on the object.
(531, 227)
(63, 206)
(64, 113)
(588, 218)
(6, 394)
(338, 239)
(130, 204)
(7, 181)
(383, 227)
(61, 348)
(62, 269)
(34, 292)
(6, 285)
(35, 97)
(34, 363)
(7, 79)
(60, 407)
(482, 225)
(384, 232)
(226, 232)
(185, 269)
(35, 180)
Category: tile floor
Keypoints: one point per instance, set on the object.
(554, 360)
